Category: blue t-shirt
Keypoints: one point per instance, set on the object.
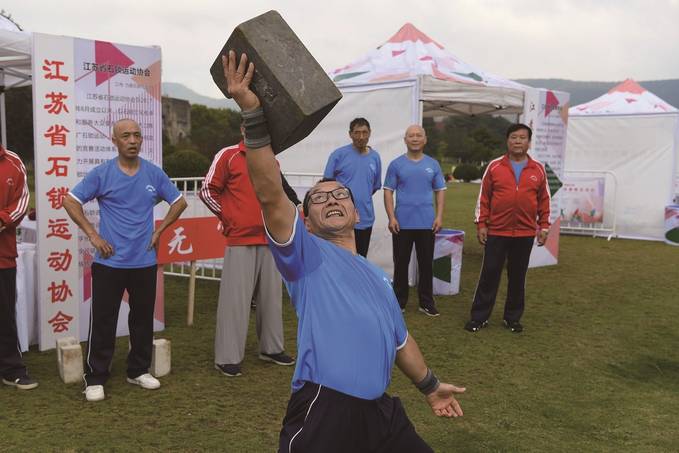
(362, 173)
(518, 168)
(350, 324)
(414, 183)
(126, 209)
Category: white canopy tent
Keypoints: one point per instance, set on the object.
(635, 135)
(407, 78)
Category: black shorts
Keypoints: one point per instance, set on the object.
(322, 420)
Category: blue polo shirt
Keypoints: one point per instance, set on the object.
(518, 169)
(126, 209)
(414, 183)
(362, 173)
(350, 324)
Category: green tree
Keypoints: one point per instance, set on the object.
(186, 163)
(19, 107)
(213, 129)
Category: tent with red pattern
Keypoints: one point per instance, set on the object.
(448, 85)
(405, 79)
(633, 134)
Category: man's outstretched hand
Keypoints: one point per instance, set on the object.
(238, 78)
(443, 402)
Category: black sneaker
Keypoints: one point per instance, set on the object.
(228, 369)
(514, 326)
(22, 383)
(429, 311)
(475, 326)
(278, 359)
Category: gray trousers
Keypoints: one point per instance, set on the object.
(249, 273)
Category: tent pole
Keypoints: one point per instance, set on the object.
(3, 117)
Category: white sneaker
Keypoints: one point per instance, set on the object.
(94, 392)
(145, 381)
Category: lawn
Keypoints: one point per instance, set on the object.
(597, 368)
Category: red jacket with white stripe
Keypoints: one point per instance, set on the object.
(508, 209)
(228, 193)
(13, 204)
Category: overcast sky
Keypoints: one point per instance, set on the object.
(598, 40)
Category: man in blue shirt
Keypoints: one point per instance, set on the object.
(358, 167)
(415, 177)
(126, 188)
(350, 330)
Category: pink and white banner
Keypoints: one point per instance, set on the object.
(113, 82)
(546, 112)
(582, 200)
(81, 88)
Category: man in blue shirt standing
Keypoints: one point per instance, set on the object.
(350, 329)
(126, 188)
(358, 167)
(415, 177)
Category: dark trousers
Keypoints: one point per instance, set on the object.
(402, 247)
(362, 238)
(516, 251)
(11, 363)
(108, 285)
(320, 419)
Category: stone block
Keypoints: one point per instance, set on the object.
(161, 361)
(70, 360)
(295, 92)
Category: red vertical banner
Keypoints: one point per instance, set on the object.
(55, 173)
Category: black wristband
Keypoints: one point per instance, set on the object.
(429, 384)
(256, 130)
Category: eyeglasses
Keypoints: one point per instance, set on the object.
(340, 193)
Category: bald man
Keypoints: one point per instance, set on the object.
(414, 177)
(127, 188)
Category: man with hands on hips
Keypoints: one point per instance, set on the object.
(126, 188)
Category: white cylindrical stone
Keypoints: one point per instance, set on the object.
(161, 362)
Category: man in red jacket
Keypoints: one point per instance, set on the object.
(513, 207)
(13, 205)
(248, 272)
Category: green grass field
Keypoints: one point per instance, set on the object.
(597, 368)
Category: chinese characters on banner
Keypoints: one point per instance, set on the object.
(113, 82)
(546, 112)
(55, 171)
(80, 89)
(582, 201)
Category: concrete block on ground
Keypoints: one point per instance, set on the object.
(70, 360)
(161, 362)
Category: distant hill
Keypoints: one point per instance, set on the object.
(667, 90)
(179, 91)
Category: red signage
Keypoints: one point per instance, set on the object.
(191, 239)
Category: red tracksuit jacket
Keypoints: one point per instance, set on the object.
(508, 209)
(228, 193)
(13, 204)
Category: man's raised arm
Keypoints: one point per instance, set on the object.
(279, 212)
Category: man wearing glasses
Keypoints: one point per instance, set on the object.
(350, 329)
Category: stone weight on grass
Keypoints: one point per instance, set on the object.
(70, 360)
